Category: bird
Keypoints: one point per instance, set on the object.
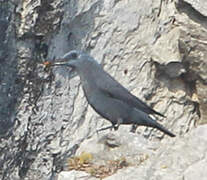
(106, 95)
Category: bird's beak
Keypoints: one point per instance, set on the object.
(64, 62)
(59, 62)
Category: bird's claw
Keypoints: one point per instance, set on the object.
(134, 128)
(116, 127)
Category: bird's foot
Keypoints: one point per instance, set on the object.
(116, 127)
(134, 128)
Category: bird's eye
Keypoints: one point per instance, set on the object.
(74, 55)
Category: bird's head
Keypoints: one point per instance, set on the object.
(76, 60)
(71, 59)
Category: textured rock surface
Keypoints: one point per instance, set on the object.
(157, 49)
(183, 158)
(199, 5)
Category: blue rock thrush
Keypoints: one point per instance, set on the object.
(107, 96)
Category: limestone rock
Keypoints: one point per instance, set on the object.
(199, 5)
(74, 175)
(156, 49)
(181, 158)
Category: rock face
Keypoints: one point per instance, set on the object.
(182, 158)
(156, 49)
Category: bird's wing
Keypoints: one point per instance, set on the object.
(111, 87)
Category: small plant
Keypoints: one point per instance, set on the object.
(84, 163)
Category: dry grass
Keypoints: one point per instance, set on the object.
(84, 163)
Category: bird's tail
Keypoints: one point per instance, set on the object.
(161, 128)
(141, 118)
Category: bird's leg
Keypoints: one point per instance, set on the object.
(134, 128)
(116, 126)
(104, 128)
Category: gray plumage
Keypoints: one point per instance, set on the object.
(107, 96)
